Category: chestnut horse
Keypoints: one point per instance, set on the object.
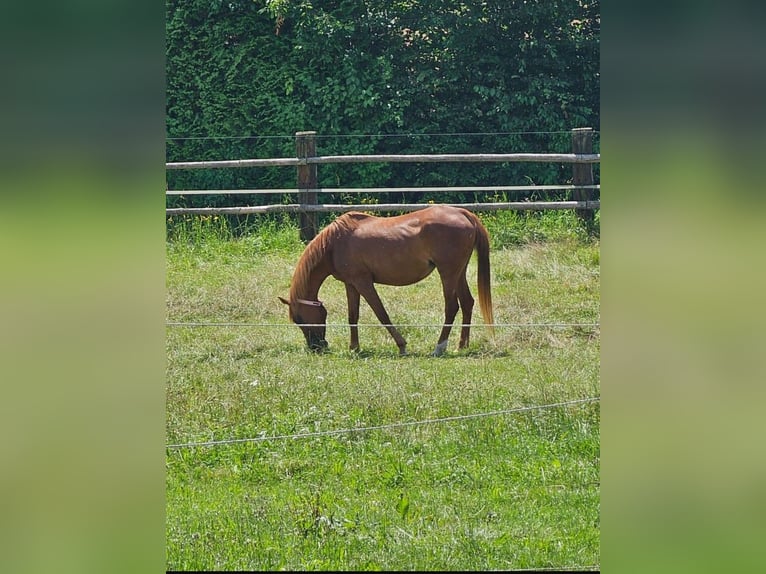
(361, 250)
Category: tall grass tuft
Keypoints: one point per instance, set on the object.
(514, 228)
(197, 229)
(280, 232)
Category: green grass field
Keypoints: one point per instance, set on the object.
(370, 461)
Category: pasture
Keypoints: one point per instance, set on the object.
(368, 460)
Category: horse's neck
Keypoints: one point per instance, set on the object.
(321, 271)
(315, 282)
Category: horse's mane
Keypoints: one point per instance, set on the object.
(317, 249)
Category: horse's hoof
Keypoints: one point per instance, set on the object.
(439, 350)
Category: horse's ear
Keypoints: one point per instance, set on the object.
(285, 301)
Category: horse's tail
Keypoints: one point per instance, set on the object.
(481, 246)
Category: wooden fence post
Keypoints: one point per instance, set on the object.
(305, 146)
(582, 173)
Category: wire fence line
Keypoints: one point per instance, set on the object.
(353, 190)
(414, 325)
(591, 568)
(354, 136)
(381, 427)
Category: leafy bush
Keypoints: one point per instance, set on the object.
(376, 77)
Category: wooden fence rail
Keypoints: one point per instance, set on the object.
(393, 158)
(307, 161)
(341, 208)
(470, 189)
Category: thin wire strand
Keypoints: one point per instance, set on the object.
(383, 427)
(591, 568)
(409, 135)
(419, 325)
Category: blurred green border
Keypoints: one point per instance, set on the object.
(82, 290)
(82, 231)
(682, 288)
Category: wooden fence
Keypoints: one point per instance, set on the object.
(307, 161)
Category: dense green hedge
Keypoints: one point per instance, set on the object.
(374, 76)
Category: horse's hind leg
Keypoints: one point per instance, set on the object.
(466, 305)
(450, 310)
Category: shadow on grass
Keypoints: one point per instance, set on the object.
(259, 351)
(477, 353)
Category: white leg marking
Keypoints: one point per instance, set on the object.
(440, 348)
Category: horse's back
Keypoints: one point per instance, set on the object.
(421, 233)
(447, 227)
(435, 215)
(449, 216)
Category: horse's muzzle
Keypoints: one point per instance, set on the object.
(318, 346)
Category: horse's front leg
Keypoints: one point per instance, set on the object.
(373, 299)
(352, 298)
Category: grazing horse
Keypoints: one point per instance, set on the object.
(361, 250)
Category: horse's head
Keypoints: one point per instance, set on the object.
(311, 317)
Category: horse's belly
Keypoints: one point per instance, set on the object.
(396, 269)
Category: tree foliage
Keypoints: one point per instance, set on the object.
(375, 76)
